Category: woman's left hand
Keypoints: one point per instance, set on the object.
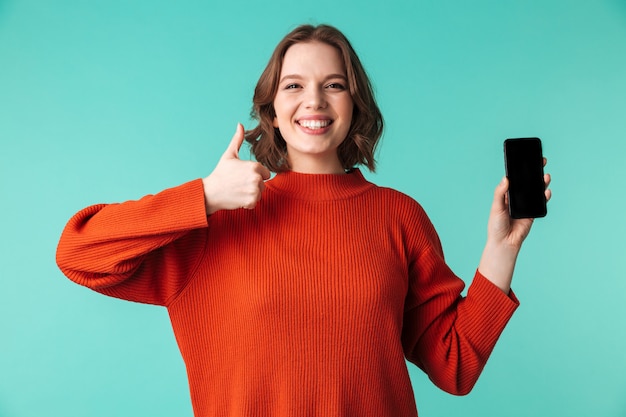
(505, 237)
(502, 229)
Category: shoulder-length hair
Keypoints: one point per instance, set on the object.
(269, 147)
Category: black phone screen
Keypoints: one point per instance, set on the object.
(524, 169)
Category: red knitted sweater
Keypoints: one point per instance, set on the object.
(307, 305)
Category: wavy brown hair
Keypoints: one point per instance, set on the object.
(269, 147)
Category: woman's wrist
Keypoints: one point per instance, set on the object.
(497, 264)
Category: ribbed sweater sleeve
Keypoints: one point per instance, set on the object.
(449, 336)
(143, 251)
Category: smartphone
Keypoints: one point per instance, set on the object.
(523, 159)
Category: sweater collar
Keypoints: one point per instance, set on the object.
(320, 187)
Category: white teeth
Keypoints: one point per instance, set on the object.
(314, 124)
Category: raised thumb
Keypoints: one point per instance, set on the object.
(235, 143)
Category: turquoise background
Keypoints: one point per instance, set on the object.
(103, 101)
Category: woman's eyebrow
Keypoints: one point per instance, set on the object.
(300, 77)
(342, 76)
(291, 77)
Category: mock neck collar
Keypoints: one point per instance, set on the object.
(319, 187)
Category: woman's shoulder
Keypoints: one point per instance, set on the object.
(397, 197)
(400, 204)
(403, 211)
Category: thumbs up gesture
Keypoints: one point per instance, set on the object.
(234, 183)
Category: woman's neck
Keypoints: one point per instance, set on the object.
(316, 165)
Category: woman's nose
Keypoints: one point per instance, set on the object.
(315, 99)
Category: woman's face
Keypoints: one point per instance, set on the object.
(313, 107)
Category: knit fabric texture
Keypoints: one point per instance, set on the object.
(307, 305)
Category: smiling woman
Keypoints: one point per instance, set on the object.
(336, 72)
(302, 294)
(313, 108)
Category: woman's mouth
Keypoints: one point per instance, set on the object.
(314, 125)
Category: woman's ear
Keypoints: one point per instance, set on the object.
(275, 122)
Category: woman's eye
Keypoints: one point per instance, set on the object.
(336, 86)
(291, 86)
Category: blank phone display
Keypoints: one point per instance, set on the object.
(524, 169)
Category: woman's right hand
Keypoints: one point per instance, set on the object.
(234, 183)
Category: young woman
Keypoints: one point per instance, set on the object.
(302, 295)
